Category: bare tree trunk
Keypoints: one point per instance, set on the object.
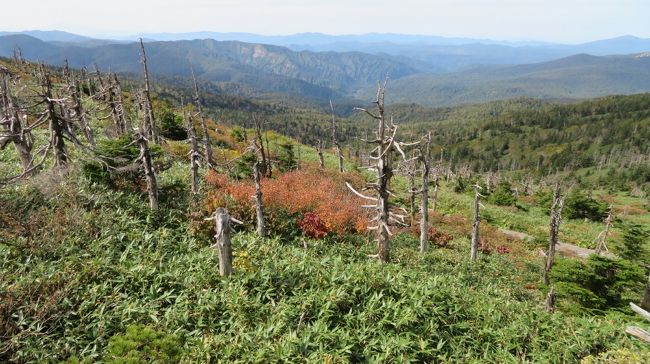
(319, 150)
(602, 238)
(554, 229)
(412, 191)
(116, 103)
(57, 124)
(436, 185)
(424, 203)
(15, 129)
(149, 171)
(335, 140)
(269, 166)
(475, 225)
(79, 112)
(259, 206)
(223, 244)
(207, 146)
(195, 155)
(549, 305)
(149, 121)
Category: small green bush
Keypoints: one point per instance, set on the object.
(502, 195)
(171, 126)
(142, 345)
(599, 284)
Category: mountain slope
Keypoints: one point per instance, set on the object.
(270, 68)
(575, 77)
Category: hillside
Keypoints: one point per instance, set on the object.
(263, 67)
(576, 77)
(93, 271)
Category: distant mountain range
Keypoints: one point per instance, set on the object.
(430, 70)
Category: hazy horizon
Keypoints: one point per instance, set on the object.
(556, 21)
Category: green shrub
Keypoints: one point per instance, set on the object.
(503, 195)
(598, 284)
(143, 345)
(634, 243)
(171, 126)
(579, 205)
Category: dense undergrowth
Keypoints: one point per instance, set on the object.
(81, 263)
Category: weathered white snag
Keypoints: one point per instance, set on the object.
(335, 139)
(425, 160)
(222, 231)
(475, 224)
(259, 206)
(149, 171)
(207, 146)
(554, 230)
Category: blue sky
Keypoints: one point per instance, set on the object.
(568, 21)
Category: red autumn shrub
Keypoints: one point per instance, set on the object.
(484, 246)
(293, 193)
(439, 238)
(312, 226)
(502, 249)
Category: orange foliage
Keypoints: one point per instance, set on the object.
(294, 193)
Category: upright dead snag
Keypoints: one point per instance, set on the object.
(195, 155)
(260, 148)
(554, 230)
(425, 161)
(436, 185)
(549, 305)
(207, 146)
(259, 206)
(476, 224)
(78, 111)
(116, 104)
(602, 237)
(383, 156)
(319, 150)
(57, 124)
(148, 169)
(14, 129)
(222, 230)
(335, 139)
(411, 171)
(149, 121)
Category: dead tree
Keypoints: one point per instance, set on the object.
(411, 171)
(14, 127)
(149, 121)
(195, 154)
(549, 305)
(57, 125)
(222, 231)
(259, 149)
(335, 139)
(425, 161)
(148, 168)
(476, 224)
(207, 146)
(602, 237)
(116, 104)
(554, 230)
(436, 186)
(383, 154)
(78, 111)
(259, 206)
(319, 150)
